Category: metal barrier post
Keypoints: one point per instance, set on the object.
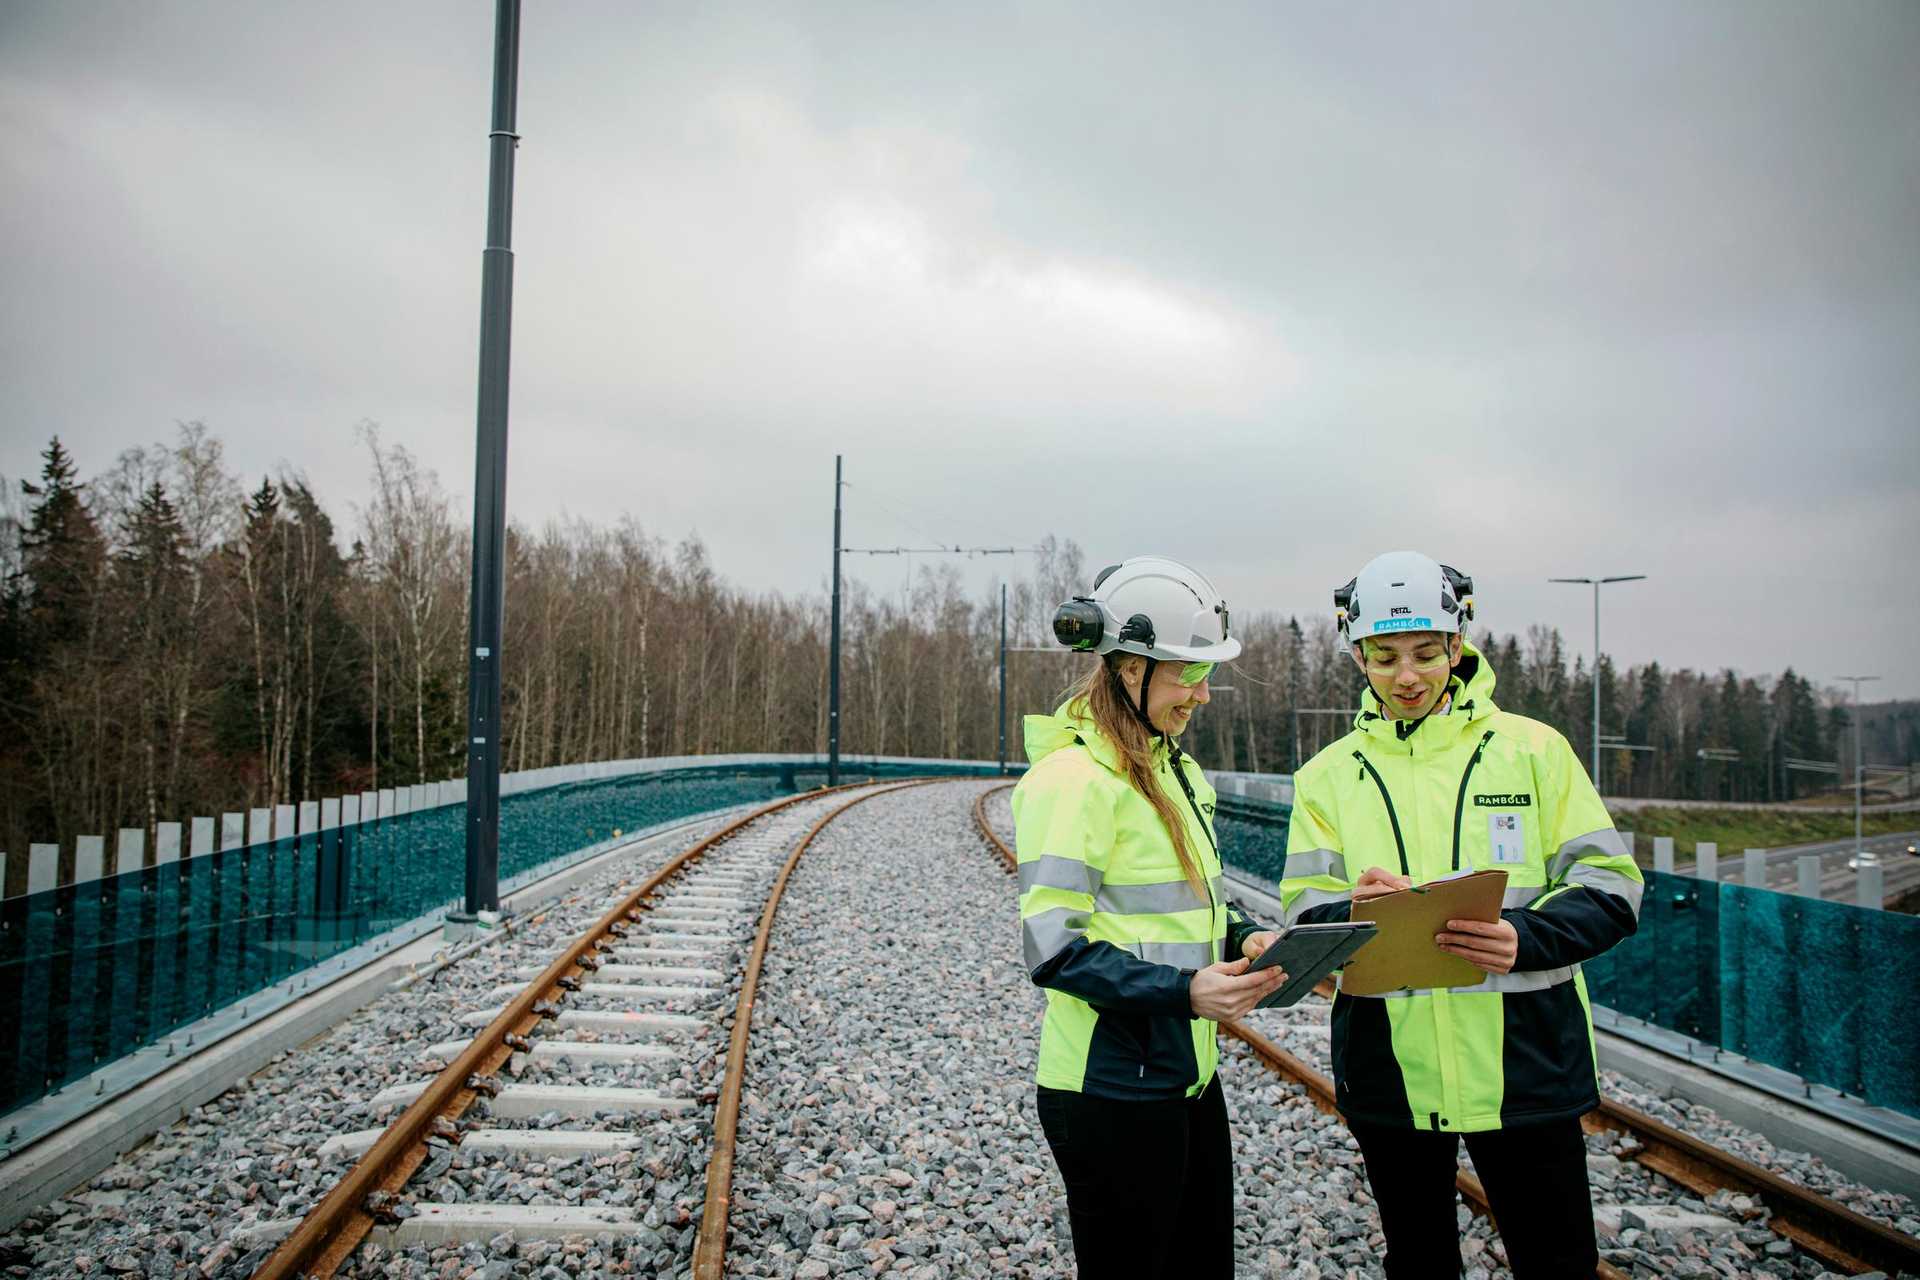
(1755, 870)
(1809, 875)
(1873, 885)
(1663, 854)
(1706, 860)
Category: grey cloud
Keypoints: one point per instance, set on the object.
(1274, 287)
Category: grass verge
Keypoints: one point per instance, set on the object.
(1737, 830)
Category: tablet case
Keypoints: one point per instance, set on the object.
(1308, 952)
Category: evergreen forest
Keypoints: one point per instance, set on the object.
(178, 640)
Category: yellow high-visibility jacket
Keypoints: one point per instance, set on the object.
(1471, 788)
(1110, 926)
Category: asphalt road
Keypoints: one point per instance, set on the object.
(1837, 881)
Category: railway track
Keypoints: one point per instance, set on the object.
(660, 957)
(1838, 1237)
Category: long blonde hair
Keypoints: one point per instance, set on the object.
(1098, 695)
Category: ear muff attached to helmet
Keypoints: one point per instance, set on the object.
(1462, 588)
(1150, 606)
(1080, 624)
(1344, 604)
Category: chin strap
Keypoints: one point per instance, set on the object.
(1138, 708)
(1405, 728)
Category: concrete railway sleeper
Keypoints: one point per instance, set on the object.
(1838, 1237)
(636, 998)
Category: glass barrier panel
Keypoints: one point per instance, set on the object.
(130, 898)
(1889, 1035)
(168, 920)
(88, 974)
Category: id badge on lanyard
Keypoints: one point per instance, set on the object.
(1507, 838)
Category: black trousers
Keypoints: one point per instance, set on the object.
(1536, 1180)
(1149, 1184)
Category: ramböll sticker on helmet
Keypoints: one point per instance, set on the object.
(1403, 624)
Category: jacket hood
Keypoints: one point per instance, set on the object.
(1471, 687)
(1048, 734)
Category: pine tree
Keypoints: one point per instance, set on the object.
(62, 553)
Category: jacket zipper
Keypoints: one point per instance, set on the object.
(1186, 789)
(1460, 801)
(1399, 843)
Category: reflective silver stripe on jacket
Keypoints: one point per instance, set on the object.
(1607, 880)
(1311, 898)
(1505, 983)
(1051, 871)
(1523, 895)
(1605, 842)
(1315, 862)
(1046, 934)
(1181, 955)
(1161, 898)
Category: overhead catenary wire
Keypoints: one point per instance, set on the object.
(840, 486)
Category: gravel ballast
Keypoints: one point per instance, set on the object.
(199, 1198)
(887, 1125)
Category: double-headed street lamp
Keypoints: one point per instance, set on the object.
(1597, 584)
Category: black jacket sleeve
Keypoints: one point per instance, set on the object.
(1108, 978)
(1240, 927)
(1572, 926)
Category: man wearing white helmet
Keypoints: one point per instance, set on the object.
(1435, 780)
(1125, 925)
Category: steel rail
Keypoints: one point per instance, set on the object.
(334, 1228)
(710, 1244)
(1841, 1238)
(1319, 1087)
(1837, 1236)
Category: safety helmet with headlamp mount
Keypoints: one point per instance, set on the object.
(1152, 606)
(1403, 591)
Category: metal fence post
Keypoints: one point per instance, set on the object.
(1872, 885)
(1755, 871)
(43, 867)
(1663, 854)
(89, 858)
(1810, 875)
(1706, 860)
(131, 855)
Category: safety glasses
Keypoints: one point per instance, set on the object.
(1194, 672)
(1386, 661)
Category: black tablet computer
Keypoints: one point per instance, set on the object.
(1309, 952)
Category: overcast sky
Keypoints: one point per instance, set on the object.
(1540, 289)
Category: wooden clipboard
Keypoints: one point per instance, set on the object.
(1402, 955)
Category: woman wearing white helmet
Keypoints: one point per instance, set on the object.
(1124, 924)
(1433, 781)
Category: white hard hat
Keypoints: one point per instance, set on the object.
(1152, 606)
(1403, 591)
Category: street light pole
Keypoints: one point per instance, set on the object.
(1003, 679)
(833, 675)
(486, 603)
(1861, 858)
(1597, 584)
